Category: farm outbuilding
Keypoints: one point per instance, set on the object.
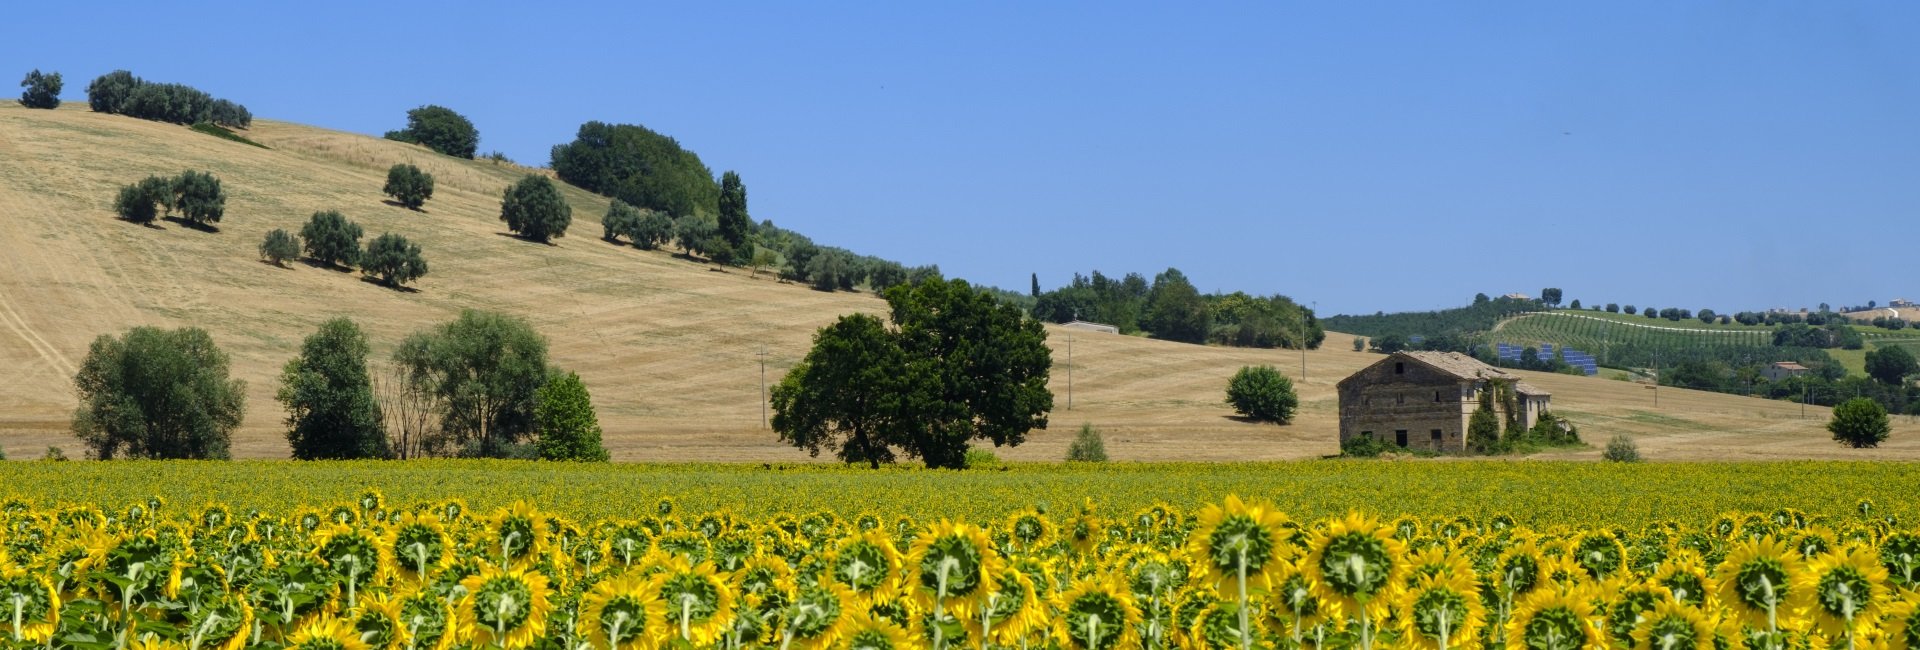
(1423, 400)
(1090, 327)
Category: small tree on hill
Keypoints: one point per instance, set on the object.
(198, 197)
(394, 260)
(328, 393)
(534, 209)
(154, 393)
(440, 129)
(734, 224)
(42, 90)
(332, 240)
(141, 202)
(483, 370)
(621, 220)
(278, 247)
(409, 186)
(563, 419)
(1087, 446)
(1550, 295)
(698, 235)
(1575, 304)
(828, 269)
(1262, 393)
(1621, 449)
(1859, 422)
(654, 230)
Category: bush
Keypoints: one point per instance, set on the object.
(1621, 449)
(1362, 446)
(1087, 446)
(563, 419)
(54, 454)
(120, 92)
(1859, 423)
(141, 202)
(409, 186)
(154, 393)
(328, 394)
(1359, 344)
(331, 239)
(394, 260)
(534, 209)
(979, 458)
(42, 90)
(645, 169)
(440, 129)
(278, 247)
(198, 197)
(1262, 393)
(621, 220)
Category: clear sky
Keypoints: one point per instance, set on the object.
(1360, 156)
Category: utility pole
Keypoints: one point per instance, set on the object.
(1069, 371)
(1656, 379)
(763, 385)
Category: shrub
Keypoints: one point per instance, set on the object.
(1087, 446)
(328, 394)
(1262, 393)
(120, 92)
(394, 260)
(1859, 423)
(621, 220)
(54, 454)
(141, 202)
(42, 90)
(278, 247)
(198, 197)
(534, 209)
(440, 129)
(1621, 449)
(1362, 446)
(332, 240)
(1359, 344)
(980, 458)
(563, 419)
(409, 186)
(154, 393)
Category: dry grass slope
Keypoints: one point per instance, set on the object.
(666, 345)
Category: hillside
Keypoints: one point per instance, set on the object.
(666, 345)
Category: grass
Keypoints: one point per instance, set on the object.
(1538, 493)
(224, 133)
(666, 346)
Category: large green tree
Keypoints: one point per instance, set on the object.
(1175, 309)
(441, 129)
(155, 393)
(634, 164)
(957, 366)
(847, 395)
(735, 225)
(534, 209)
(328, 394)
(1891, 365)
(42, 90)
(1859, 422)
(483, 369)
(330, 239)
(563, 419)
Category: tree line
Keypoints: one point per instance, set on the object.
(121, 93)
(479, 386)
(1171, 308)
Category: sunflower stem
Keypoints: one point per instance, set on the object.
(1766, 592)
(939, 601)
(19, 608)
(686, 617)
(1093, 632)
(1444, 614)
(1240, 565)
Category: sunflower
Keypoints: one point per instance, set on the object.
(1553, 618)
(1441, 611)
(1218, 627)
(1762, 582)
(1010, 612)
(519, 533)
(817, 612)
(1902, 627)
(699, 603)
(952, 568)
(326, 633)
(378, 623)
(1845, 588)
(32, 606)
(1599, 554)
(625, 613)
(418, 546)
(1355, 566)
(1291, 602)
(1096, 614)
(868, 565)
(762, 577)
(428, 622)
(1673, 626)
(354, 555)
(221, 623)
(1029, 530)
(865, 631)
(1685, 578)
(1235, 543)
(1437, 559)
(506, 607)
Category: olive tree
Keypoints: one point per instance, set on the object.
(393, 260)
(534, 209)
(331, 239)
(409, 186)
(42, 90)
(279, 246)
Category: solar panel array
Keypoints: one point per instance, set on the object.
(1575, 358)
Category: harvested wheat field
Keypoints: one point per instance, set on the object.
(667, 345)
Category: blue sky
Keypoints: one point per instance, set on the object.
(1360, 156)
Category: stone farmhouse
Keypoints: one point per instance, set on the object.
(1423, 400)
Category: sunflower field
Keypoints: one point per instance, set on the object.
(370, 573)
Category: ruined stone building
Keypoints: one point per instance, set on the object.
(1423, 400)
